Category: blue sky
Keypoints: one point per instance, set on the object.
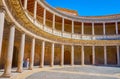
(89, 7)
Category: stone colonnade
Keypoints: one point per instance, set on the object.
(8, 62)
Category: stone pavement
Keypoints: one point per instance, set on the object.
(68, 72)
(79, 72)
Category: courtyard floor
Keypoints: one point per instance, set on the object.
(69, 72)
(79, 72)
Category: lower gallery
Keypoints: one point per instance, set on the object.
(32, 31)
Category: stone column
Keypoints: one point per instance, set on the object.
(116, 26)
(105, 56)
(62, 55)
(82, 28)
(2, 16)
(21, 54)
(72, 55)
(44, 17)
(82, 55)
(62, 24)
(72, 26)
(25, 4)
(32, 54)
(93, 29)
(104, 32)
(42, 54)
(35, 9)
(93, 55)
(52, 55)
(118, 55)
(53, 25)
(9, 55)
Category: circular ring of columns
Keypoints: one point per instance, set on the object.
(7, 71)
(72, 34)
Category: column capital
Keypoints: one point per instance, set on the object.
(93, 22)
(11, 24)
(2, 9)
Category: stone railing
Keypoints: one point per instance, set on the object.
(70, 35)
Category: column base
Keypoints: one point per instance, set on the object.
(41, 66)
(94, 64)
(118, 64)
(30, 68)
(105, 64)
(51, 65)
(19, 70)
(82, 64)
(61, 65)
(6, 75)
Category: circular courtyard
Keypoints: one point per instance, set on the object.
(78, 72)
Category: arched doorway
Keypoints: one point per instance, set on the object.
(67, 57)
(15, 57)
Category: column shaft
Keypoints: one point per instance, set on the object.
(62, 24)
(82, 56)
(104, 29)
(44, 17)
(72, 27)
(42, 54)
(82, 28)
(25, 4)
(105, 56)
(93, 55)
(62, 55)
(52, 55)
(21, 54)
(32, 54)
(72, 55)
(35, 9)
(53, 21)
(2, 16)
(93, 30)
(116, 26)
(118, 55)
(9, 56)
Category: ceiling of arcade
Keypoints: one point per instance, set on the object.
(49, 15)
(40, 11)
